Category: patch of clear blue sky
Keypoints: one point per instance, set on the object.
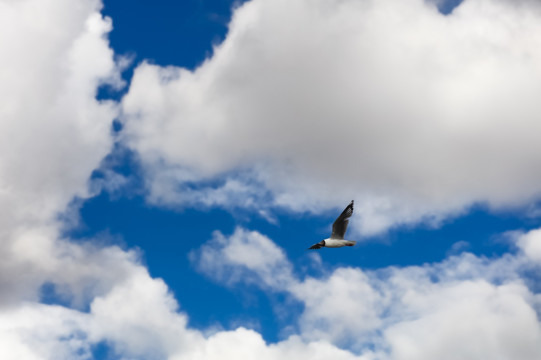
(447, 6)
(104, 351)
(182, 33)
(168, 32)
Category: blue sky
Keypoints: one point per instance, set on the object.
(167, 164)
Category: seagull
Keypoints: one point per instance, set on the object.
(338, 231)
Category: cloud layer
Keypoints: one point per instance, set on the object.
(414, 114)
(54, 133)
(465, 307)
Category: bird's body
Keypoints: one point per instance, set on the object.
(339, 228)
(334, 243)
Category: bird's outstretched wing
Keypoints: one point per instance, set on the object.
(315, 247)
(341, 223)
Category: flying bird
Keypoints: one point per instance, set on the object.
(339, 228)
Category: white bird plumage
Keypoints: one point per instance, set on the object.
(339, 228)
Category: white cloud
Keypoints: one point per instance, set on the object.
(138, 319)
(54, 55)
(139, 316)
(466, 306)
(414, 114)
(344, 307)
(468, 320)
(530, 243)
(53, 133)
(248, 344)
(241, 256)
(34, 331)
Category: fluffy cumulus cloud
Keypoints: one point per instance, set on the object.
(311, 103)
(53, 132)
(245, 256)
(530, 243)
(465, 307)
(54, 55)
